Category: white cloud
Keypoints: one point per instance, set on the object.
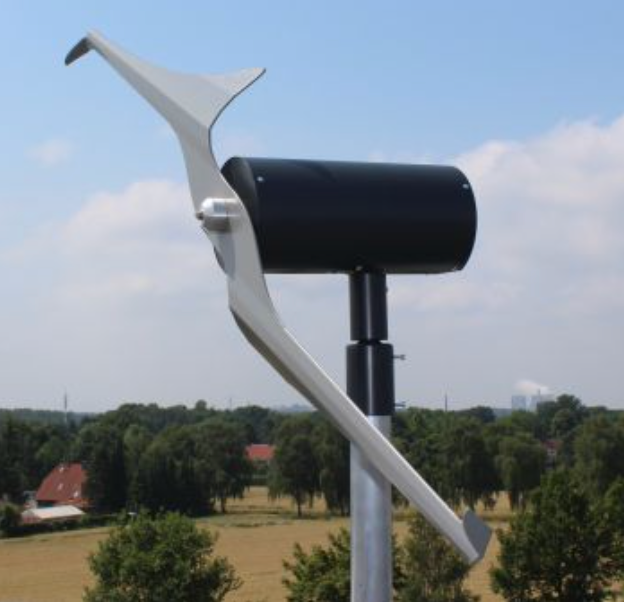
(550, 210)
(550, 214)
(449, 293)
(141, 241)
(378, 156)
(115, 303)
(52, 152)
(125, 295)
(530, 387)
(576, 164)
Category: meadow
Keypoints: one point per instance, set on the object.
(256, 535)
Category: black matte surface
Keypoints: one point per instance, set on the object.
(327, 216)
(370, 362)
(370, 377)
(368, 306)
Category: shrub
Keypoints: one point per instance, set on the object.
(560, 547)
(323, 575)
(10, 519)
(162, 559)
(425, 568)
(433, 570)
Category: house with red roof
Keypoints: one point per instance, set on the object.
(260, 452)
(63, 486)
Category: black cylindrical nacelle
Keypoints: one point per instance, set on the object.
(334, 216)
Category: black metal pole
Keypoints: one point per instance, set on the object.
(370, 384)
(370, 361)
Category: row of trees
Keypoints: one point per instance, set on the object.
(311, 459)
(194, 467)
(28, 451)
(193, 460)
(470, 456)
(189, 468)
(138, 455)
(179, 459)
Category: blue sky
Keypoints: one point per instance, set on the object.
(527, 98)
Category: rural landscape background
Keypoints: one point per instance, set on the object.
(197, 461)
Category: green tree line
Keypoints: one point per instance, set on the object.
(193, 460)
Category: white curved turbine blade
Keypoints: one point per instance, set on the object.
(191, 104)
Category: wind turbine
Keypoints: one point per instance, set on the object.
(191, 104)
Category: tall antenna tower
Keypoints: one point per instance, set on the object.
(65, 405)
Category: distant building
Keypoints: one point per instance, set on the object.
(55, 514)
(64, 486)
(30, 500)
(519, 403)
(260, 452)
(540, 398)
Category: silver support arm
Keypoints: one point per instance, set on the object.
(191, 104)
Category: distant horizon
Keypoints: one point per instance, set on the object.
(294, 407)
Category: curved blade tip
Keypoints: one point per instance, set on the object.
(478, 533)
(80, 49)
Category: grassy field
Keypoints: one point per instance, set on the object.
(256, 535)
